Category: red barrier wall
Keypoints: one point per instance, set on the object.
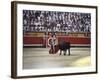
(72, 40)
(33, 40)
(75, 40)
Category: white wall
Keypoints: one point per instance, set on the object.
(5, 40)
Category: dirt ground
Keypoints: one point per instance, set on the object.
(40, 58)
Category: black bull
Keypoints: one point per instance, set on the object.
(64, 46)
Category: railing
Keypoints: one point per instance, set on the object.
(70, 34)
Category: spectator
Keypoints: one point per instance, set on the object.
(58, 21)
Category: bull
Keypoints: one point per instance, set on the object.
(64, 46)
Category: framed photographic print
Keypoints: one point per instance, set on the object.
(49, 39)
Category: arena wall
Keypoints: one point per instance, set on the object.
(41, 40)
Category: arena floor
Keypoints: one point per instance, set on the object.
(40, 58)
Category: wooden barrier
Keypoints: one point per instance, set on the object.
(73, 38)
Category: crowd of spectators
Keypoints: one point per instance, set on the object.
(56, 21)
